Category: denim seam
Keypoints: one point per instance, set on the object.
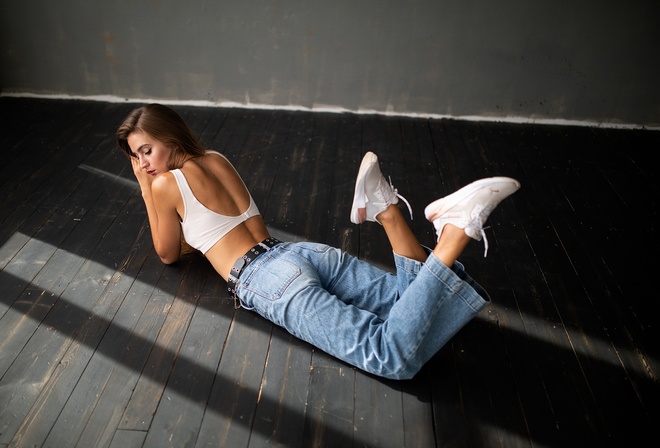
(416, 345)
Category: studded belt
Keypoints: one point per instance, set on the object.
(245, 260)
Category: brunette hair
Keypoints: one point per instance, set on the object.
(166, 126)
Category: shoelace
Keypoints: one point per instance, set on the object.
(396, 193)
(479, 219)
(483, 236)
(385, 195)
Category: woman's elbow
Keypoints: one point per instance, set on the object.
(169, 258)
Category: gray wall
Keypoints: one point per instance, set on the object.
(583, 60)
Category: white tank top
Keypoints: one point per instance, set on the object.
(202, 227)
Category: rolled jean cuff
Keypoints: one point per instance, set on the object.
(412, 268)
(407, 264)
(456, 277)
(459, 270)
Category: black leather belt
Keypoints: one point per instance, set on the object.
(245, 260)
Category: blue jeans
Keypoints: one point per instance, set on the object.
(389, 325)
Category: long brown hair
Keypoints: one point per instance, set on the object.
(166, 126)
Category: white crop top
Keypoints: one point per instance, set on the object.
(202, 227)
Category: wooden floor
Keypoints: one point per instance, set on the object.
(103, 346)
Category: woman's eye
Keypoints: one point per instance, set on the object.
(147, 152)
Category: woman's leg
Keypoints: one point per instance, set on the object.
(286, 286)
(450, 245)
(375, 200)
(465, 211)
(401, 237)
(291, 285)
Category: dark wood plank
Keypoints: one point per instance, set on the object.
(74, 324)
(375, 139)
(507, 416)
(423, 176)
(284, 202)
(101, 345)
(344, 164)
(100, 426)
(449, 420)
(214, 123)
(50, 225)
(142, 380)
(235, 393)
(327, 422)
(181, 411)
(45, 158)
(378, 412)
(418, 410)
(122, 353)
(259, 166)
(67, 421)
(494, 400)
(123, 439)
(284, 395)
(150, 387)
(566, 294)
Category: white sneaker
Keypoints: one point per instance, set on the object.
(373, 194)
(469, 207)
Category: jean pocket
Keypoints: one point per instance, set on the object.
(272, 278)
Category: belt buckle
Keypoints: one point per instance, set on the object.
(237, 268)
(234, 273)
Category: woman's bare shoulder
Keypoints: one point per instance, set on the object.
(164, 183)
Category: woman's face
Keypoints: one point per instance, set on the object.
(151, 153)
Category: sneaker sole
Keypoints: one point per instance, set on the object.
(441, 206)
(358, 209)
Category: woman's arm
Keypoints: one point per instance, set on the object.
(159, 199)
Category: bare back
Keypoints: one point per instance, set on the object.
(217, 185)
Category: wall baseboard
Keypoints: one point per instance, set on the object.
(331, 109)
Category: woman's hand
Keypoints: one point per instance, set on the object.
(144, 179)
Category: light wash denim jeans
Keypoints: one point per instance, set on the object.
(389, 325)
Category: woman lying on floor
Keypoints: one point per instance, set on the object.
(389, 325)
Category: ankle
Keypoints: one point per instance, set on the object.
(451, 244)
(452, 233)
(390, 215)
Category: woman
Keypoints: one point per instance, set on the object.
(389, 325)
